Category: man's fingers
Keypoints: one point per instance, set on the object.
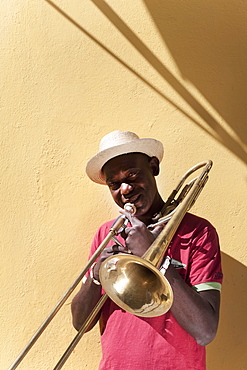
(132, 218)
(118, 249)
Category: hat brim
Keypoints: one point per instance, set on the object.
(150, 147)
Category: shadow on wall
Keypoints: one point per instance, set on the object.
(178, 27)
(228, 350)
(207, 40)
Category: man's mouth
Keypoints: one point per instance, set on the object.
(133, 199)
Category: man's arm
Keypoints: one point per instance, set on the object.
(90, 293)
(197, 313)
(84, 302)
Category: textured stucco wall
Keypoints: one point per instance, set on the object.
(71, 71)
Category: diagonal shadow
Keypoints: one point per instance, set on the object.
(217, 131)
(207, 41)
(132, 70)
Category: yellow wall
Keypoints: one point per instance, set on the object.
(71, 71)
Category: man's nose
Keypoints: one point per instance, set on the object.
(126, 188)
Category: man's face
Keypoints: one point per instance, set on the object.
(130, 178)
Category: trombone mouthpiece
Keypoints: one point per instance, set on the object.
(130, 208)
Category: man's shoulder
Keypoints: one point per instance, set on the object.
(105, 227)
(107, 224)
(196, 223)
(195, 219)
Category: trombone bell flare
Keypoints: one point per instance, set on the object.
(136, 285)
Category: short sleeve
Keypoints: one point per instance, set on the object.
(205, 272)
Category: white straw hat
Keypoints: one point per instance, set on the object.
(117, 143)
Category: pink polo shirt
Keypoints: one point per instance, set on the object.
(130, 342)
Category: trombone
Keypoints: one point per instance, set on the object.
(136, 284)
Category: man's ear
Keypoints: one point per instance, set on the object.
(154, 165)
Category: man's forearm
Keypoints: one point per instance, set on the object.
(84, 302)
(197, 313)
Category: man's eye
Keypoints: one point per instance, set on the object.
(113, 185)
(132, 175)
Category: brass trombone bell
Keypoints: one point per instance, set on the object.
(136, 285)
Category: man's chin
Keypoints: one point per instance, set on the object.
(140, 210)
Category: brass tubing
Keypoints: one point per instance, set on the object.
(113, 231)
(157, 250)
(82, 330)
(202, 178)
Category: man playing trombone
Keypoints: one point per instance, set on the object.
(176, 339)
